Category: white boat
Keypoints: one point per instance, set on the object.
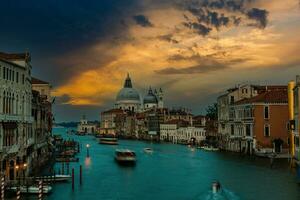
(32, 189)
(125, 156)
(206, 148)
(56, 178)
(148, 150)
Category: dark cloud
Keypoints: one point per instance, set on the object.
(219, 13)
(197, 69)
(168, 38)
(258, 15)
(50, 30)
(142, 20)
(200, 28)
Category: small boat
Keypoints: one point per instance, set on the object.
(148, 150)
(66, 159)
(55, 178)
(125, 156)
(108, 140)
(32, 189)
(207, 148)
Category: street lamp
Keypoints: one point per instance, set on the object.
(87, 150)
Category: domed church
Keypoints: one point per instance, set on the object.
(129, 98)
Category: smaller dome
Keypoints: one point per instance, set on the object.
(150, 98)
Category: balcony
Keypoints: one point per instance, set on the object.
(11, 149)
(7, 117)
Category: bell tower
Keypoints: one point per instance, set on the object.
(160, 98)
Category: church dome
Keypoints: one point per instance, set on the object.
(150, 98)
(127, 93)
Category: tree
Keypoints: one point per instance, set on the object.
(212, 111)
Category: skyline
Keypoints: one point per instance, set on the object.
(192, 48)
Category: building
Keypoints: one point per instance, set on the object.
(294, 117)
(25, 118)
(259, 123)
(86, 127)
(43, 87)
(129, 98)
(113, 122)
(15, 113)
(224, 102)
(40, 150)
(179, 131)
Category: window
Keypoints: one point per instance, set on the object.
(267, 130)
(266, 112)
(13, 75)
(232, 129)
(17, 77)
(231, 99)
(248, 130)
(23, 78)
(4, 72)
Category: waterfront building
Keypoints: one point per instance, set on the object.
(180, 131)
(86, 127)
(294, 117)
(15, 113)
(112, 122)
(259, 123)
(40, 150)
(43, 87)
(25, 118)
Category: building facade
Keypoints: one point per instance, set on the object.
(259, 124)
(15, 113)
(179, 131)
(85, 127)
(25, 118)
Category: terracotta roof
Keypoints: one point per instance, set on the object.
(15, 56)
(37, 81)
(113, 111)
(270, 96)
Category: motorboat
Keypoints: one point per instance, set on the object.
(125, 156)
(210, 148)
(148, 150)
(108, 140)
(31, 189)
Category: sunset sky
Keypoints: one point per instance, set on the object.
(193, 49)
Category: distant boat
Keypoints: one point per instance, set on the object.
(148, 150)
(108, 140)
(210, 148)
(32, 189)
(125, 156)
(55, 178)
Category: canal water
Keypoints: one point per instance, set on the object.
(173, 172)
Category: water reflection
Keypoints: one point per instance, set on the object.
(87, 162)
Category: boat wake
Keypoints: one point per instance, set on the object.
(223, 194)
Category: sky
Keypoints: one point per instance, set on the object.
(193, 49)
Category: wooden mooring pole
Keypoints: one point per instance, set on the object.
(18, 192)
(40, 189)
(73, 179)
(2, 187)
(80, 174)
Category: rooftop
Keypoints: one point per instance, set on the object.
(38, 81)
(272, 95)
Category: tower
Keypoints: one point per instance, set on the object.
(160, 96)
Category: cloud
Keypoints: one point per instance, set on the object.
(201, 29)
(142, 20)
(258, 15)
(209, 15)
